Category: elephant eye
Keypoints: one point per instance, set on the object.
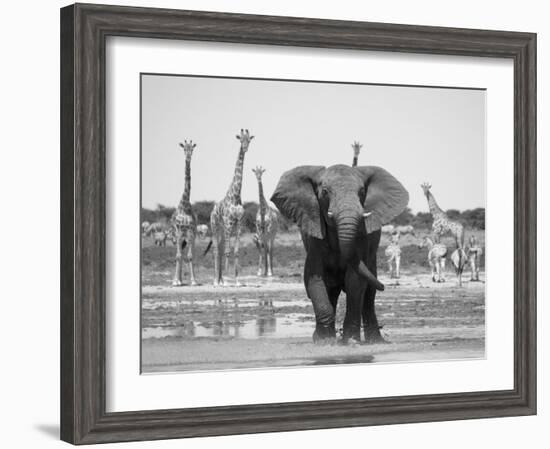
(362, 192)
(324, 191)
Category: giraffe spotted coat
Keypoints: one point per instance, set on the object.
(442, 224)
(184, 222)
(266, 229)
(227, 216)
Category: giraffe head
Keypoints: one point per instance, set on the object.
(426, 186)
(245, 139)
(258, 171)
(188, 148)
(356, 148)
(473, 241)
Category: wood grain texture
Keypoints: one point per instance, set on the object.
(83, 32)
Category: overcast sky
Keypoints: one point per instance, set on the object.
(418, 134)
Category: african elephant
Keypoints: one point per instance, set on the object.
(340, 210)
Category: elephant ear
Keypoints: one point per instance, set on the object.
(385, 197)
(295, 196)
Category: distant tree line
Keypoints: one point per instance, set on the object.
(471, 218)
(203, 209)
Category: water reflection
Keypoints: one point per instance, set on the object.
(230, 317)
(265, 326)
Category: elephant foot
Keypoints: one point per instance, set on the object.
(324, 334)
(350, 342)
(351, 335)
(373, 336)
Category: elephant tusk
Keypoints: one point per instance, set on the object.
(330, 214)
(365, 272)
(366, 214)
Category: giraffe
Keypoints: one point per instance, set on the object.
(356, 149)
(227, 215)
(441, 223)
(459, 259)
(184, 221)
(266, 229)
(393, 254)
(436, 258)
(474, 252)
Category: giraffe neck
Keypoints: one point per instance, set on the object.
(354, 164)
(187, 189)
(434, 208)
(263, 203)
(234, 193)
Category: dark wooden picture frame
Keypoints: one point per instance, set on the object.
(84, 29)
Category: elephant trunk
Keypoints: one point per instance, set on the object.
(348, 226)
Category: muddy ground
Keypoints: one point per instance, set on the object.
(269, 322)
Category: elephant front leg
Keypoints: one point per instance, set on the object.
(325, 319)
(355, 291)
(371, 328)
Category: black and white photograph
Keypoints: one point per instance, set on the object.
(291, 223)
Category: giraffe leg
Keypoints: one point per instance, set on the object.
(227, 250)
(176, 282)
(397, 264)
(266, 261)
(236, 254)
(442, 270)
(260, 262)
(190, 253)
(433, 268)
(260, 258)
(216, 251)
(221, 251)
(269, 256)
